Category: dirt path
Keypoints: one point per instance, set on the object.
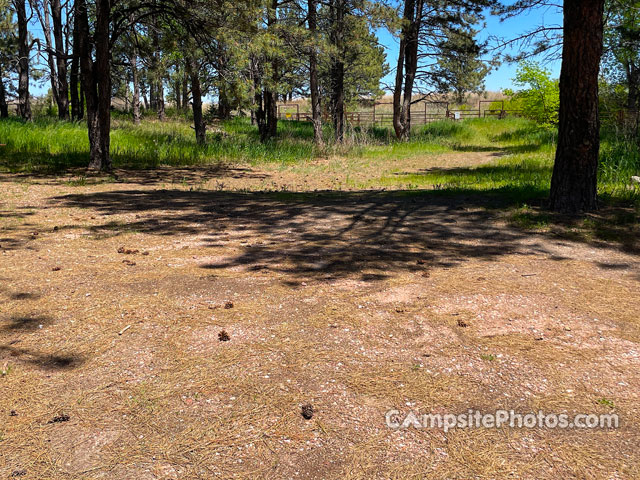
(113, 297)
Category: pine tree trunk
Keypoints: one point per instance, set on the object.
(259, 112)
(177, 85)
(77, 112)
(270, 114)
(398, 114)
(269, 96)
(196, 92)
(406, 69)
(153, 104)
(96, 79)
(224, 107)
(574, 182)
(316, 118)
(4, 108)
(337, 69)
(61, 61)
(136, 87)
(633, 85)
(82, 102)
(185, 92)
(338, 100)
(43, 15)
(161, 109)
(24, 101)
(633, 97)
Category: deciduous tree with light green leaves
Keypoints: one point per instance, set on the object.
(539, 96)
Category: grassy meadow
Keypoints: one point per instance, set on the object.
(520, 168)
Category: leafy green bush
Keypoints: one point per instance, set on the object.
(539, 98)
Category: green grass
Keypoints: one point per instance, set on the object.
(52, 146)
(619, 161)
(521, 171)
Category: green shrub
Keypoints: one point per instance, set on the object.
(539, 98)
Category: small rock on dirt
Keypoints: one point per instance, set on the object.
(228, 305)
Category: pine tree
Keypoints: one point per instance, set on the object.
(459, 67)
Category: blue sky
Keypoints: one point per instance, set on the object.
(511, 28)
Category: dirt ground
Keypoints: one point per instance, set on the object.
(115, 298)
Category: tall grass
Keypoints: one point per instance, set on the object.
(524, 164)
(619, 161)
(51, 145)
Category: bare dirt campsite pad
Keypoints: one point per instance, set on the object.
(233, 322)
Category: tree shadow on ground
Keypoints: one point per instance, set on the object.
(11, 351)
(24, 323)
(39, 359)
(370, 235)
(488, 172)
(509, 150)
(191, 175)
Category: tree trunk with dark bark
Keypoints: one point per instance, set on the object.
(61, 60)
(45, 22)
(337, 68)
(153, 102)
(96, 79)
(185, 91)
(633, 97)
(269, 95)
(196, 92)
(77, 111)
(316, 118)
(258, 116)
(177, 86)
(271, 113)
(4, 108)
(24, 53)
(135, 103)
(574, 182)
(406, 69)
(160, 100)
(224, 105)
(633, 83)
